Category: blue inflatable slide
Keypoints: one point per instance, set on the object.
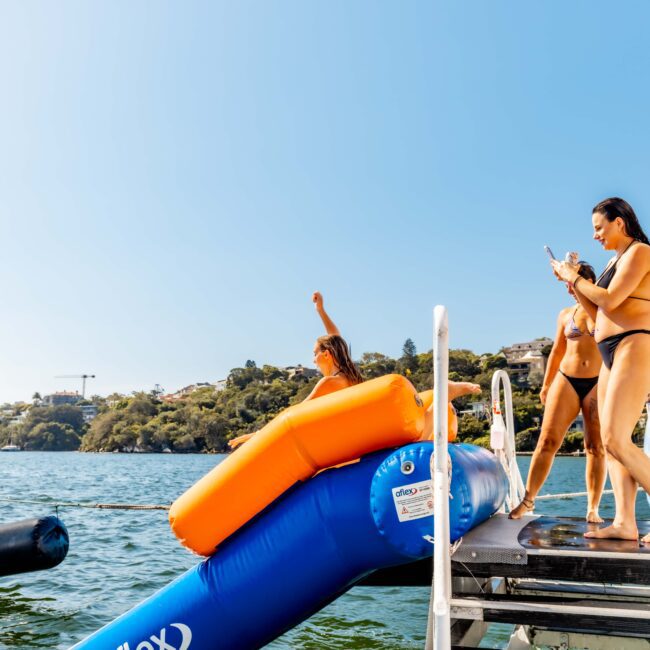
(308, 548)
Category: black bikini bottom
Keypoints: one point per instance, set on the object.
(581, 385)
(608, 346)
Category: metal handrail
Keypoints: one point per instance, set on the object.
(502, 437)
(439, 633)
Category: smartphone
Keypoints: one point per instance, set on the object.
(549, 252)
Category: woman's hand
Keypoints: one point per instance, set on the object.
(564, 271)
(542, 394)
(330, 327)
(239, 440)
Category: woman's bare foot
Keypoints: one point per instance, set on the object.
(593, 517)
(526, 506)
(646, 539)
(459, 388)
(239, 440)
(614, 531)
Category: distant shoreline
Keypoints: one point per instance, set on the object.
(204, 453)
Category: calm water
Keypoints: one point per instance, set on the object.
(118, 558)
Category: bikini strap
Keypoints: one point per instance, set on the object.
(593, 331)
(625, 251)
(607, 269)
(610, 266)
(572, 326)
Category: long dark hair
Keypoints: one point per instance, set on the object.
(615, 207)
(587, 271)
(338, 348)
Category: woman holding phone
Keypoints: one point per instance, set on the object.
(619, 303)
(569, 387)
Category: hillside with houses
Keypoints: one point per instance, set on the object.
(204, 416)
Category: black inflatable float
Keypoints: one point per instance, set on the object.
(32, 545)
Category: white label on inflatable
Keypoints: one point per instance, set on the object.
(161, 641)
(414, 501)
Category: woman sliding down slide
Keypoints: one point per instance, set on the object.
(454, 388)
(332, 358)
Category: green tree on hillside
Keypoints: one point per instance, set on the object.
(64, 414)
(375, 364)
(207, 419)
(408, 362)
(51, 436)
(463, 365)
(494, 362)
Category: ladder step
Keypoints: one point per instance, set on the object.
(613, 619)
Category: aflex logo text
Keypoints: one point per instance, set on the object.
(160, 642)
(406, 492)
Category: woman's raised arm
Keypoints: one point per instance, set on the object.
(330, 327)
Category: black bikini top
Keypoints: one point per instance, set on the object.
(608, 274)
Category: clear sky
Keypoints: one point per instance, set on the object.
(176, 178)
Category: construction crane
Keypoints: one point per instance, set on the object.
(83, 382)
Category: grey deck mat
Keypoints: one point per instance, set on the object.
(495, 541)
(500, 540)
(567, 533)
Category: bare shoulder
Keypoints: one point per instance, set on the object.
(565, 312)
(328, 385)
(640, 253)
(335, 382)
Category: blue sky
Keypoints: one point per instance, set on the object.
(177, 178)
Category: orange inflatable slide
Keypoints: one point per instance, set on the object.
(303, 439)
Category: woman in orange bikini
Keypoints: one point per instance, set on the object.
(569, 386)
(619, 303)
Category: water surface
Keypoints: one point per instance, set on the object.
(118, 558)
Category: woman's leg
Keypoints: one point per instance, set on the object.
(624, 399)
(459, 388)
(562, 407)
(596, 470)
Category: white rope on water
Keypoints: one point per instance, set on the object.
(569, 495)
(136, 506)
(99, 506)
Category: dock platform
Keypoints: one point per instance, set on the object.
(541, 573)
